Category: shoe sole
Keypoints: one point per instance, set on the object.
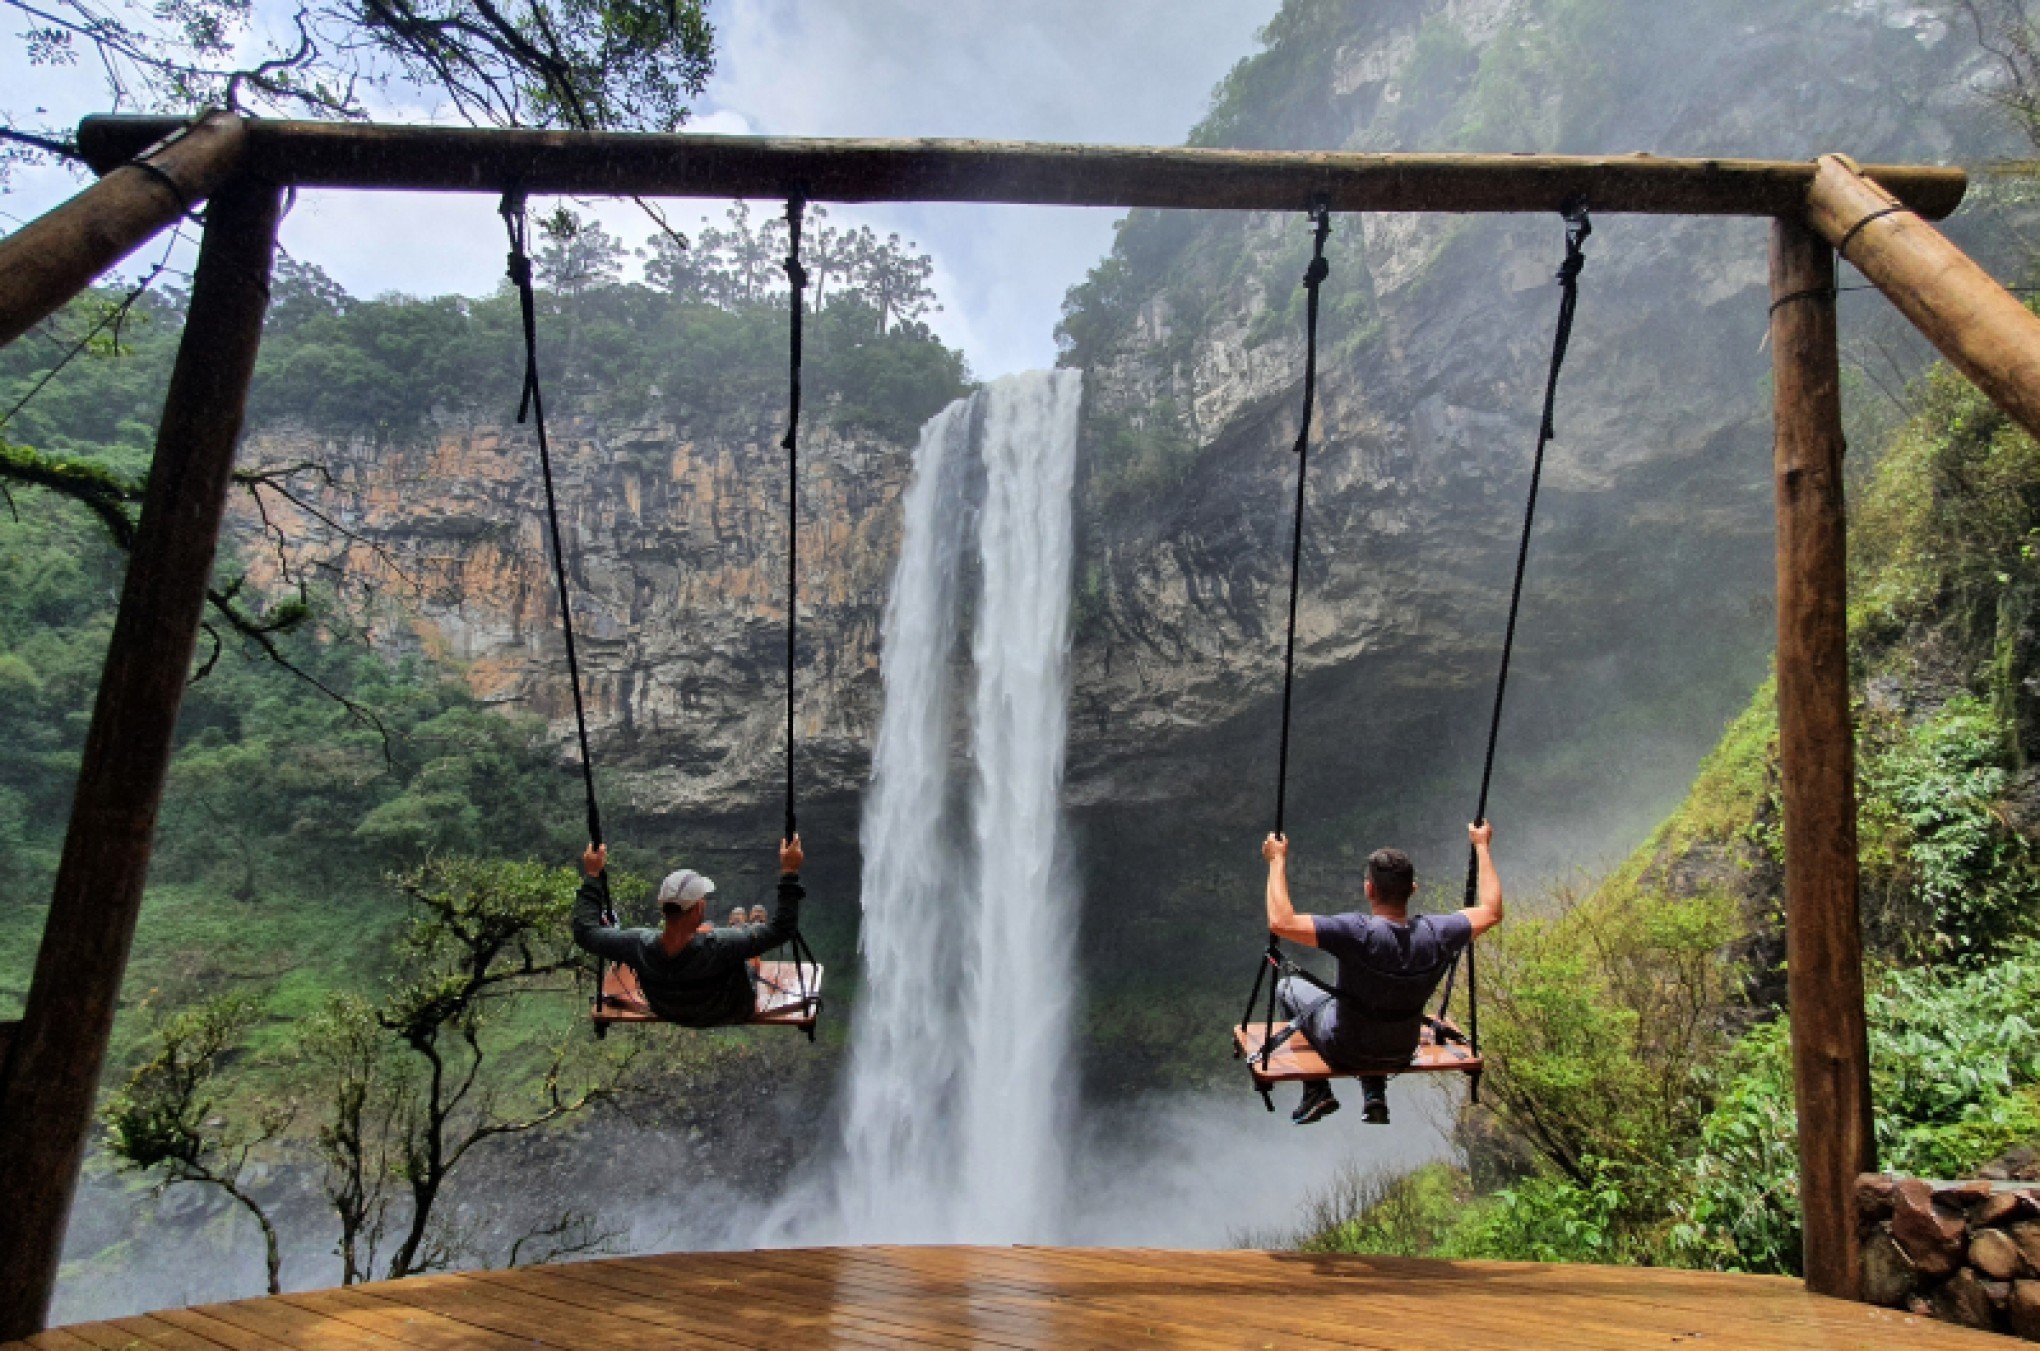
(1318, 1112)
(1375, 1118)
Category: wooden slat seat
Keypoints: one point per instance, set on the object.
(1297, 1061)
(789, 995)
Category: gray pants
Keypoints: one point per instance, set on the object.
(1318, 1015)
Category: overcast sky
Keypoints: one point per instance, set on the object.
(1128, 71)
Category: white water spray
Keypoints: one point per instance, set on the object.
(958, 1095)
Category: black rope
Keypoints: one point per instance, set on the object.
(796, 280)
(1842, 249)
(532, 404)
(1270, 967)
(1577, 228)
(1313, 277)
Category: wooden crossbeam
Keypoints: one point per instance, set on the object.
(466, 159)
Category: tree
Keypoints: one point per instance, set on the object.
(891, 277)
(406, 1087)
(2008, 32)
(347, 1053)
(167, 1119)
(680, 269)
(581, 64)
(483, 931)
(577, 253)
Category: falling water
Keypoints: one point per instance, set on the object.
(957, 1092)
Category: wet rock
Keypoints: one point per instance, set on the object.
(2022, 1309)
(1932, 1238)
(2003, 1208)
(1961, 1300)
(1992, 1252)
(1874, 1192)
(2026, 1234)
(1888, 1274)
(1963, 1195)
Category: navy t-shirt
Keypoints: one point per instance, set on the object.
(1387, 972)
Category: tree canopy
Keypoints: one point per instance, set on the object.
(630, 65)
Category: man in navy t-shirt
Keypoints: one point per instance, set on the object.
(1388, 966)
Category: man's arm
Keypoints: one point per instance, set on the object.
(1486, 911)
(1283, 921)
(590, 933)
(754, 939)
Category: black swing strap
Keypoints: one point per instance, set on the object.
(531, 403)
(796, 282)
(1314, 276)
(1577, 228)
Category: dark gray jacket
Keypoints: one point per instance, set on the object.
(705, 984)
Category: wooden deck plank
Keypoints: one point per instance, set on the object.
(996, 1313)
(944, 1299)
(504, 1314)
(220, 1334)
(56, 1339)
(709, 1313)
(120, 1334)
(700, 1318)
(152, 1330)
(815, 1291)
(1253, 1308)
(378, 1309)
(1759, 1311)
(1050, 1313)
(1549, 1313)
(282, 1324)
(1274, 1299)
(1761, 1300)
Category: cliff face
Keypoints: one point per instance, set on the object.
(1646, 618)
(676, 543)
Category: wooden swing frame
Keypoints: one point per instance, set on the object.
(156, 170)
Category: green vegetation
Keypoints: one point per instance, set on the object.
(1642, 1080)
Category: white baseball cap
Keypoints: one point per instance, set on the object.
(684, 887)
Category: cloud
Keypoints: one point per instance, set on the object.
(1134, 72)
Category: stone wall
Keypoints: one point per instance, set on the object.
(1962, 1252)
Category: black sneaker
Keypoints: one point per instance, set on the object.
(1375, 1112)
(1318, 1103)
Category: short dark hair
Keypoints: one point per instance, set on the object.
(1393, 875)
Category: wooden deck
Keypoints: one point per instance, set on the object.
(1035, 1297)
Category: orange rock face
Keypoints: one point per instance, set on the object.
(676, 555)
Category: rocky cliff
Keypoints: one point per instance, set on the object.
(1646, 620)
(676, 542)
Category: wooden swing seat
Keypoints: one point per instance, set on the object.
(1297, 1061)
(789, 995)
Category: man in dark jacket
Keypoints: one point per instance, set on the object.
(691, 973)
(1388, 966)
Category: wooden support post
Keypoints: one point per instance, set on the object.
(50, 1079)
(55, 256)
(1977, 324)
(1816, 747)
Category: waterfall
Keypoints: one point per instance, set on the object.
(957, 1096)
